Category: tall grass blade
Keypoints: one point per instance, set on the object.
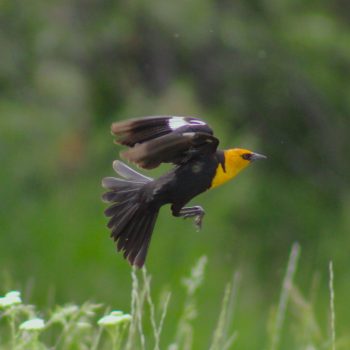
(184, 333)
(220, 337)
(331, 301)
(284, 297)
(137, 306)
(156, 329)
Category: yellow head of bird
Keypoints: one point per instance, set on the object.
(236, 159)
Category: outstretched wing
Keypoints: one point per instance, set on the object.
(164, 139)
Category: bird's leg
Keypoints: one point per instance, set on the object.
(189, 212)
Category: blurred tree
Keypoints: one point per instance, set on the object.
(272, 74)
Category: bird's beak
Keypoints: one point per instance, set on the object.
(257, 156)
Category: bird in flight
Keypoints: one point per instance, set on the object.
(135, 199)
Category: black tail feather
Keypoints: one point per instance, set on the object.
(131, 220)
(139, 242)
(113, 183)
(144, 244)
(116, 220)
(132, 234)
(122, 218)
(129, 173)
(119, 196)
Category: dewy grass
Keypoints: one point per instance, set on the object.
(86, 326)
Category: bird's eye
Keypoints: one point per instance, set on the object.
(247, 156)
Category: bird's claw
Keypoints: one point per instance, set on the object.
(198, 220)
(196, 212)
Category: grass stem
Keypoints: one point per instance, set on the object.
(332, 309)
(284, 296)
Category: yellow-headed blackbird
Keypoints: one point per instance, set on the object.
(136, 199)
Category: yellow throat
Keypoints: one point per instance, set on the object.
(234, 163)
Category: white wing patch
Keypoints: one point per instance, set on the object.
(193, 121)
(188, 134)
(177, 122)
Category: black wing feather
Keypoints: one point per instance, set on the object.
(164, 139)
(172, 148)
(134, 131)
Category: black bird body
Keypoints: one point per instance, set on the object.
(181, 184)
(136, 199)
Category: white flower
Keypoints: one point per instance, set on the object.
(116, 313)
(68, 310)
(113, 319)
(125, 318)
(108, 320)
(83, 325)
(10, 298)
(62, 313)
(13, 294)
(35, 324)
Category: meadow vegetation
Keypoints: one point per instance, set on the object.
(92, 326)
(269, 75)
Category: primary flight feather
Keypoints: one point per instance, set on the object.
(135, 199)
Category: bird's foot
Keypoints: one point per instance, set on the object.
(198, 220)
(197, 212)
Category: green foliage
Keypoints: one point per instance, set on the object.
(78, 327)
(267, 75)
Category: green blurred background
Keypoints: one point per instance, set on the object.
(272, 76)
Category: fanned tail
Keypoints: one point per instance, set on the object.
(131, 219)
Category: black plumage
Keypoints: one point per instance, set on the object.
(135, 199)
